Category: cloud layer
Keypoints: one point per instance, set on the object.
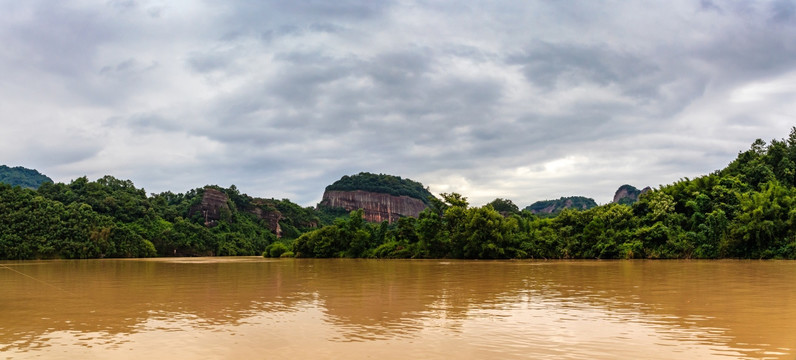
(527, 101)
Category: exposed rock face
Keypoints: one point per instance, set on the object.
(627, 194)
(213, 201)
(271, 217)
(377, 207)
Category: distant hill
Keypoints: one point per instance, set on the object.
(555, 206)
(628, 194)
(23, 177)
(381, 197)
(383, 184)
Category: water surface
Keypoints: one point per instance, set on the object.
(225, 308)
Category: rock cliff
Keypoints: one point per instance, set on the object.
(215, 202)
(378, 207)
(211, 207)
(264, 211)
(628, 194)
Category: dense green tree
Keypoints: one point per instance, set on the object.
(504, 206)
(745, 210)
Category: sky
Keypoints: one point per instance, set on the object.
(522, 100)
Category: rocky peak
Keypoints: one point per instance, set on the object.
(628, 194)
(377, 207)
(215, 202)
(382, 197)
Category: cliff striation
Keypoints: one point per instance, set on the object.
(378, 207)
(214, 202)
(265, 211)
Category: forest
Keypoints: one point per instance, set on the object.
(745, 210)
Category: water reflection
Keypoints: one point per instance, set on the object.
(621, 309)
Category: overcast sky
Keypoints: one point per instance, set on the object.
(525, 100)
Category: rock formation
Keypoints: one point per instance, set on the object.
(270, 215)
(628, 194)
(377, 207)
(214, 204)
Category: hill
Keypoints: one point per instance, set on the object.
(556, 206)
(382, 184)
(628, 194)
(381, 197)
(20, 176)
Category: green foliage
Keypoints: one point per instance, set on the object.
(347, 237)
(22, 177)
(328, 215)
(111, 218)
(275, 250)
(381, 183)
(504, 206)
(747, 210)
(296, 219)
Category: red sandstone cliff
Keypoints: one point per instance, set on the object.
(271, 216)
(214, 203)
(627, 194)
(378, 207)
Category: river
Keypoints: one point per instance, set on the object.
(247, 308)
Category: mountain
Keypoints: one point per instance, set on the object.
(382, 197)
(628, 194)
(555, 206)
(23, 177)
(281, 217)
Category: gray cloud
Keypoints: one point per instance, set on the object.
(565, 65)
(783, 11)
(528, 101)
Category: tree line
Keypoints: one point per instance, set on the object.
(746, 210)
(110, 217)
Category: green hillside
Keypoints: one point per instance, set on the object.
(556, 206)
(745, 210)
(20, 176)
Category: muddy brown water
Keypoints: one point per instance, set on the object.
(255, 308)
